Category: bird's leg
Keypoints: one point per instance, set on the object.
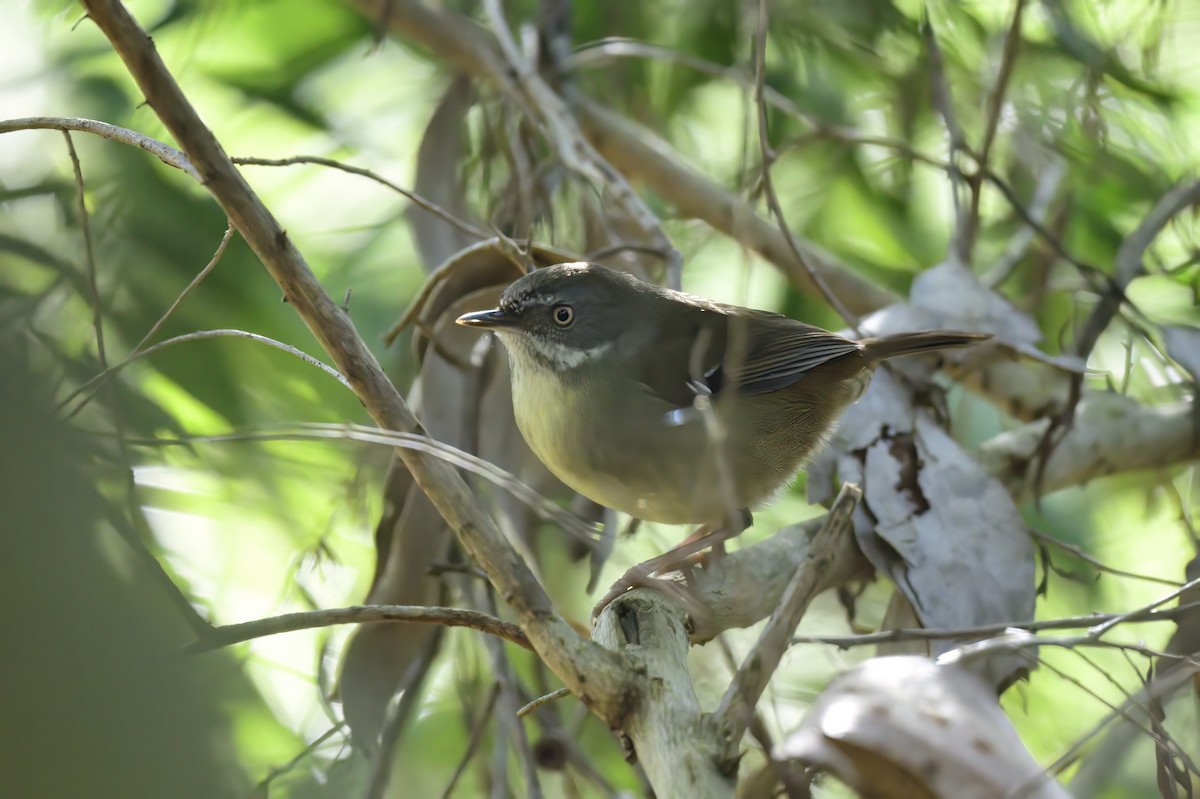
(675, 559)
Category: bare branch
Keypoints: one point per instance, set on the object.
(228, 634)
(560, 693)
(1069, 623)
(1096, 563)
(768, 158)
(1049, 182)
(431, 207)
(943, 101)
(996, 98)
(95, 383)
(575, 151)
(596, 676)
(477, 729)
(570, 523)
(741, 697)
(163, 152)
(1112, 434)
(1128, 264)
(199, 335)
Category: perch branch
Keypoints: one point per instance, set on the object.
(983, 630)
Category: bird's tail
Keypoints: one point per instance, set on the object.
(878, 349)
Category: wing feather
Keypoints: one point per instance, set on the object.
(778, 351)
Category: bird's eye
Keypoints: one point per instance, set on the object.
(563, 315)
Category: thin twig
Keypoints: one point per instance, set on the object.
(477, 730)
(1051, 178)
(95, 383)
(228, 634)
(546, 699)
(510, 729)
(399, 710)
(428, 205)
(996, 98)
(264, 785)
(89, 253)
(1128, 263)
(201, 335)
(741, 697)
(1103, 627)
(995, 106)
(920, 634)
(1078, 552)
(575, 152)
(163, 152)
(943, 101)
(768, 158)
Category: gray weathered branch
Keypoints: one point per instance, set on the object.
(1112, 433)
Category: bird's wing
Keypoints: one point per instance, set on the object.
(781, 350)
(777, 351)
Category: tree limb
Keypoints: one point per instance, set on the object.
(1111, 434)
(678, 745)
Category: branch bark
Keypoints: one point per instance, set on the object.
(678, 745)
(597, 676)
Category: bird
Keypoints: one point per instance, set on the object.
(672, 408)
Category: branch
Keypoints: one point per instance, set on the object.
(635, 152)
(163, 152)
(742, 695)
(768, 158)
(598, 677)
(358, 614)
(1111, 434)
(412, 196)
(676, 743)
(1128, 264)
(93, 385)
(575, 152)
(1141, 616)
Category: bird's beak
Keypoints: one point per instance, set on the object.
(488, 319)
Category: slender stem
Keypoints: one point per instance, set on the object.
(228, 634)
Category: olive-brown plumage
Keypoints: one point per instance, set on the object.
(607, 370)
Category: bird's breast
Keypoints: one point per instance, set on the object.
(613, 442)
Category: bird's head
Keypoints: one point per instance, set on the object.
(564, 316)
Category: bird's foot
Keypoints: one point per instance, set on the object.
(640, 577)
(647, 574)
(680, 558)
